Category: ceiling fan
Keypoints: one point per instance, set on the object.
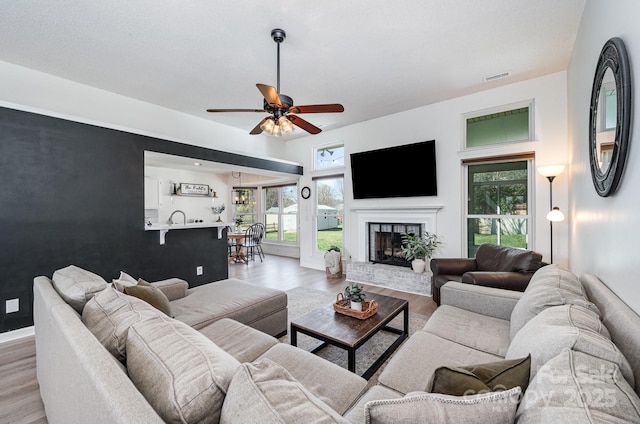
(283, 113)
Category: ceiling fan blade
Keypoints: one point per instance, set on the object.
(257, 130)
(236, 110)
(307, 126)
(270, 94)
(328, 108)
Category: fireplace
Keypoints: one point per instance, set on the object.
(385, 242)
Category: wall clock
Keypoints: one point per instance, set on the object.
(305, 192)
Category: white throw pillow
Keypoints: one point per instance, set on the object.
(124, 281)
(76, 285)
(418, 408)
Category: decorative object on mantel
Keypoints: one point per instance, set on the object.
(217, 210)
(356, 295)
(610, 117)
(333, 262)
(345, 307)
(419, 249)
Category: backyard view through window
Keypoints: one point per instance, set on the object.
(244, 214)
(281, 213)
(329, 206)
(497, 209)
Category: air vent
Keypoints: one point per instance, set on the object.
(497, 76)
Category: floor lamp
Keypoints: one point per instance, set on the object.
(551, 172)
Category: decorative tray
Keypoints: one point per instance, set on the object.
(343, 306)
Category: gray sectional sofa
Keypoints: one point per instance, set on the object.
(581, 338)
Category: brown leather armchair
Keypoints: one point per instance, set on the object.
(494, 266)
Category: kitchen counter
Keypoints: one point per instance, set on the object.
(165, 228)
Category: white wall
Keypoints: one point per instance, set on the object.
(194, 207)
(25, 89)
(604, 231)
(443, 122)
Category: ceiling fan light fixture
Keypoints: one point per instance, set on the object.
(286, 127)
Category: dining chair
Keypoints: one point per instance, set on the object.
(253, 241)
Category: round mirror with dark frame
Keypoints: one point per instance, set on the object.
(610, 117)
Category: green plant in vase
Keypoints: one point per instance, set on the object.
(418, 250)
(217, 210)
(239, 221)
(356, 294)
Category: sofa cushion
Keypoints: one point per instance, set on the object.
(264, 392)
(76, 285)
(477, 331)
(124, 280)
(560, 327)
(242, 342)
(150, 294)
(412, 366)
(493, 407)
(244, 302)
(577, 388)
(332, 384)
(491, 257)
(109, 314)
(549, 286)
(180, 372)
(375, 392)
(481, 378)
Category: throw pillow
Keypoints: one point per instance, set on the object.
(150, 294)
(546, 335)
(265, 392)
(76, 285)
(181, 373)
(124, 280)
(481, 378)
(109, 314)
(574, 387)
(495, 408)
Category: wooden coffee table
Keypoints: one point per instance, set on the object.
(349, 333)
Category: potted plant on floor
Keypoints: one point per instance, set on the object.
(419, 249)
(356, 294)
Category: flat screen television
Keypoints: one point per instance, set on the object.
(400, 171)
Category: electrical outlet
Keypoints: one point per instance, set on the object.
(199, 270)
(12, 305)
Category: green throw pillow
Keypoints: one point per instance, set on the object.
(481, 378)
(150, 294)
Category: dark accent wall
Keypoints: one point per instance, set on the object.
(73, 193)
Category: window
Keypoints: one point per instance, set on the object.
(329, 207)
(329, 156)
(281, 213)
(246, 210)
(498, 203)
(505, 124)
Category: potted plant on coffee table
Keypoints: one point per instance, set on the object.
(418, 250)
(356, 294)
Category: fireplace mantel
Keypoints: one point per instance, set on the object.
(425, 215)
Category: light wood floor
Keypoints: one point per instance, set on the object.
(20, 401)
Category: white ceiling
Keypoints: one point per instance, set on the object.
(376, 57)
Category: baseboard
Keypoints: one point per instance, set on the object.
(17, 334)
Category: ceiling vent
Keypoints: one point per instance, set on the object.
(494, 77)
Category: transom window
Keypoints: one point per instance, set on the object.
(506, 124)
(329, 156)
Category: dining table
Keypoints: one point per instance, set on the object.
(237, 255)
